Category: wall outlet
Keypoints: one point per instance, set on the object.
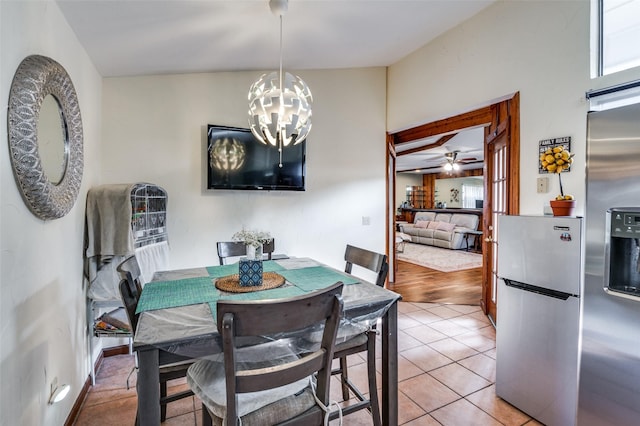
(366, 220)
(543, 185)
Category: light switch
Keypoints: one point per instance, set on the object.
(366, 220)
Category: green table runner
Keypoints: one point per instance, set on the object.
(169, 294)
(316, 277)
(191, 291)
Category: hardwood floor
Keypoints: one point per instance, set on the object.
(419, 284)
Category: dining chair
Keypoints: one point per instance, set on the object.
(129, 270)
(130, 290)
(237, 248)
(363, 341)
(367, 259)
(270, 383)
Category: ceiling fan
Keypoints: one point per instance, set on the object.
(453, 163)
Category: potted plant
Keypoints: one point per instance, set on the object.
(557, 160)
(253, 241)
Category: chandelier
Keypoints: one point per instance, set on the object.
(280, 103)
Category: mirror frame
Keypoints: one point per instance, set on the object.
(36, 77)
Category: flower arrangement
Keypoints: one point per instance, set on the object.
(557, 160)
(252, 238)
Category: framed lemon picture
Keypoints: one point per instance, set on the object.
(554, 155)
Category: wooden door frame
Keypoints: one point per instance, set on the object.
(390, 210)
(503, 115)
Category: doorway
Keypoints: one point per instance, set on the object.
(500, 122)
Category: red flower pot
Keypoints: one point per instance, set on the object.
(563, 207)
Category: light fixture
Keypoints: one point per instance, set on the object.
(280, 103)
(451, 161)
(448, 167)
(58, 393)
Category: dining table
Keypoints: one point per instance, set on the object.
(177, 320)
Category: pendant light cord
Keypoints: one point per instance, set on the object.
(281, 99)
(280, 52)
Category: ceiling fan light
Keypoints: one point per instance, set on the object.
(448, 167)
(456, 166)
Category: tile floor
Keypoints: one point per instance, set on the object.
(446, 376)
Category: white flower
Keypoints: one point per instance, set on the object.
(252, 238)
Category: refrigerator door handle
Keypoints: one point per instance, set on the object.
(539, 290)
(612, 292)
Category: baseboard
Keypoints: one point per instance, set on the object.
(75, 410)
(77, 406)
(116, 350)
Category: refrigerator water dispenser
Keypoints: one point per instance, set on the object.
(622, 260)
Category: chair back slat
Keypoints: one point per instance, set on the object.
(237, 248)
(130, 288)
(129, 270)
(367, 259)
(130, 297)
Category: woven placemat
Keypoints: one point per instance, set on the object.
(231, 283)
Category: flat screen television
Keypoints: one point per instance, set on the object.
(237, 160)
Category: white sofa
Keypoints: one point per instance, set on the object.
(445, 230)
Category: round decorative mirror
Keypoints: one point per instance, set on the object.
(45, 137)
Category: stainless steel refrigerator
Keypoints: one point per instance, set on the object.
(609, 392)
(538, 318)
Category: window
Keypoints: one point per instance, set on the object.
(619, 32)
(471, 193)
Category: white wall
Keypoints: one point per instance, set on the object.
(540, 48)
(444, 187)
(154, 130)
(41, 295)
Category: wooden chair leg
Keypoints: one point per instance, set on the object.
(163, 405)
(206, 417)
(371, 373)
(344, 377)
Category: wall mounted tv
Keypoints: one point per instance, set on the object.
(237, 160)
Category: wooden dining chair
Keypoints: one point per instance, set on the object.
(130, 290)
(237, 248)
(367, 259)
(362, 342)
(270, 383)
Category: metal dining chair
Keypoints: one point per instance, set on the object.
(237, 248)
(130, 290)
(270, 383)
(362, 342)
